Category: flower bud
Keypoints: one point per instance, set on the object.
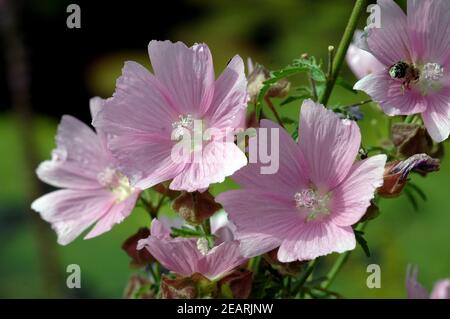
(291, 268)
(195, 207)
(178, 288)
(195, 286)
(279, 89)
(392, 183)
(163, 188)
(141, 257)
(411, 139)
(236, 285)
(256, 79)
(396, 173)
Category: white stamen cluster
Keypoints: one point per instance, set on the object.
(433, 71)
(116, 182)
(203, 246)
(186, 122)
(312, 203)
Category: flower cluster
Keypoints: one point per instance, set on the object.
(179, 130)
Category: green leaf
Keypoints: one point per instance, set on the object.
(412, 199)
(295, 133)
(362, 242)
(418, 190)
(303, 90)
(297, 66)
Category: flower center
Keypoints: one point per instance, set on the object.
(190, 132)
(430, 78)
(312, 203)
(184, 124)
(116, 182)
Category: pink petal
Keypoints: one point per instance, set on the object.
(221, 227)
(441, 290)
(290, 176)
(437, 116)
(429, 30)
(179, 255)
(393, 99)
(414, 288)
(140, 106)
(329, 144)
(255, 244)
(78, 158)
(262, 218)
(95, 105)
(187, 73)
(390, 43)
(216, 161)
(229, 103)
(72, 211)
(221, 260)
(316, 239)
(362, 62)
(146, 160)
(115, 215)
(162, 227)
(218, 220)
(352, 197)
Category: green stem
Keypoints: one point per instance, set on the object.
(313, 88)
(335, 269)
(339, 263)
(253, 265)
(305, 275)
(342, 49)
(147, 205)
(358, 104)
(157, 274)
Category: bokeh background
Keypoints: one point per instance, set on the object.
(47, 70)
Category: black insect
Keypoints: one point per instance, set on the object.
(404, 71)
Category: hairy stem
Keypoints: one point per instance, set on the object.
(342, 49)
(274, 111)
(313, 87)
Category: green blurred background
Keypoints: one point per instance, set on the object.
(272, 32)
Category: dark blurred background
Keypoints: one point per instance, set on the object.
(47, 70)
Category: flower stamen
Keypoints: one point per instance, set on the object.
(314, 204)
(115, 182)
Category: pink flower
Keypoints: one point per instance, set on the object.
(441, 289)
(308, 207)
(415, 52)
(360, 61)
(149, 114)
(94, 191)
(187, 256)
